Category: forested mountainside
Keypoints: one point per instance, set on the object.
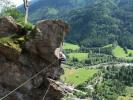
(46, 9)
(102, 23)
(94, 23)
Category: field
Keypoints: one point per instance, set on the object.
(120, 53)
(77, 76)
(70, 46)
(129, 91)
(125, 98)
(79, 56)
(130, 51)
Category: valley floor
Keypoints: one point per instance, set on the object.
(91, 72)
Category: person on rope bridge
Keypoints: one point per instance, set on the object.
(60, 55)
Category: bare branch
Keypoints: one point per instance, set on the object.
(26, 7)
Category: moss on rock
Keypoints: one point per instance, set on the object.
(9, 41)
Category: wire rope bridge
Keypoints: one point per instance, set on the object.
(34, 76)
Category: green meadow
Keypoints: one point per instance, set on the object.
(70, 46)
(77, 76)
(129, 91)
(79, 56)
(119, 52)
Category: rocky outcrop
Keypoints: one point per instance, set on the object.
(37, 54)
(8, 26)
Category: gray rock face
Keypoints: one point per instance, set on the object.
(8, 26)
(47, 34)
(37, 54)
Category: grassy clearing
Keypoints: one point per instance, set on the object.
(125, 98)
(70, 46)
(79, 56)
(130, 51)
(77, 76)
(119, 52)
(129, 91)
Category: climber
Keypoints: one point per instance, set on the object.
(60, 55)
(62, 58)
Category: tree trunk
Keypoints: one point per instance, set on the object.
(26, 7)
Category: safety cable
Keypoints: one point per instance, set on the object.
(26, 82)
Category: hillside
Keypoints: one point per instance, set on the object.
(44, 9)
(93, 23)
(101, 23)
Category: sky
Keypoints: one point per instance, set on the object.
(17, 2)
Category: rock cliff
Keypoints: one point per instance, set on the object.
(37, 53)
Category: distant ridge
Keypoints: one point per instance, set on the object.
(44, 9)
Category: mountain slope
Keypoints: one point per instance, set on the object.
(93, 23)
(104, 22)
(43, 9)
